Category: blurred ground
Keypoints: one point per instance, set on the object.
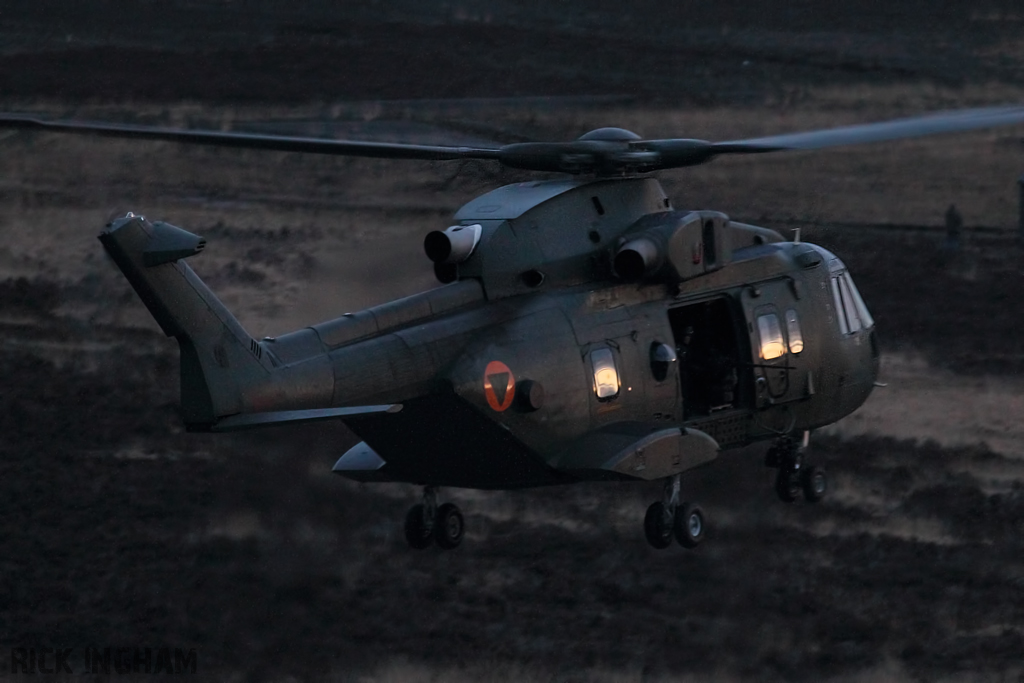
(119, 528)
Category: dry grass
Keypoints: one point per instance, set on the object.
(285, 546)
(404, 671)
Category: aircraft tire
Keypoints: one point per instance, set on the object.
(815, 484)
(658, 533)
(787, 485)
(417, 535)
(689, 525)
(449, 526)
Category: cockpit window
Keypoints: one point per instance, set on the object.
(858, 302)
(851, 311)
(852, 319)
(773, 345)
(606, 376)
(837, 301)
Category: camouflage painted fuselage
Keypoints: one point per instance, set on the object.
(497, 373)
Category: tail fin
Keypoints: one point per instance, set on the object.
(224, 371)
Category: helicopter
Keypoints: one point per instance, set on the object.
(585, 329)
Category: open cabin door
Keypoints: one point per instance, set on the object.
(708, 349)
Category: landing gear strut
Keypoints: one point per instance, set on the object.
(794, 475)
(669, 517)
(428, 523)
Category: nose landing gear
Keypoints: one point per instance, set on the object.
(794, 476)
(815, 483)
(670, 518)
(428, 523)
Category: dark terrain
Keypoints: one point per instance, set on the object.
(119, 529)
(695, 52)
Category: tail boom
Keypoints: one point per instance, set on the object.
(224, 371)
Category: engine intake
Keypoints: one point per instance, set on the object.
(454, 245)
(638, 258)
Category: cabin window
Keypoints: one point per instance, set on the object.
(773, 345)
(606, 376)
(796, 337)
(662, 358)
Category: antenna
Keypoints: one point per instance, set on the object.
(796, 235)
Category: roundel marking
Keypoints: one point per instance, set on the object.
(499, 386)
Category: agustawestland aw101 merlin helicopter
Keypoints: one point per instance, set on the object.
(587, 330)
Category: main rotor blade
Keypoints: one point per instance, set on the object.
(281, 143)
(917, 126)
(598, 155)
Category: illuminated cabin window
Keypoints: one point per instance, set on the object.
(606, 377)
(772, 344)
(796, 337)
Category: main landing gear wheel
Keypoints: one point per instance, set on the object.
(689, 525)
(658, 525)
(448, 526)
(428, 523)
(668, 517)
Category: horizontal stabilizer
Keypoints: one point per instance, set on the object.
(170, 243)
(236, 423)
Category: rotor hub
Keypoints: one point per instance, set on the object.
(610, 135)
